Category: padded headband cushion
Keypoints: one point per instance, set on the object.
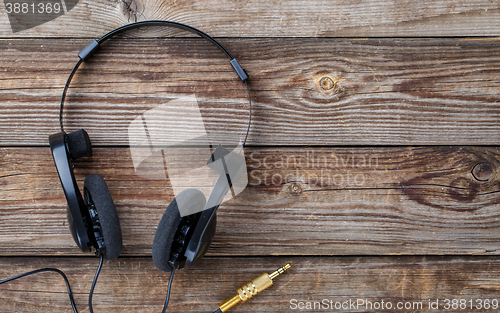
(79, 144)
(191, 199)
(106, 212)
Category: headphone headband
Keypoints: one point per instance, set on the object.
(87, 52)
(159, 23)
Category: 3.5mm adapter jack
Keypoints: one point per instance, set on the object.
(245, 292)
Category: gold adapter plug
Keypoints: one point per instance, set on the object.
(245, 292)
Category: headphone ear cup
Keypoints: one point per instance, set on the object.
(96, 188)
(79, 145)
(191, 199)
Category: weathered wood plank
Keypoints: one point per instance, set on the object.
(383, 92)
(135, 285)
(280, 18)
(300, 201)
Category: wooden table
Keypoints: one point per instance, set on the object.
(373, 155)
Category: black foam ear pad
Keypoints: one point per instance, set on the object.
(79, 144)
(110, 225)
(191, 199)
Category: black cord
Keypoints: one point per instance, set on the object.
(249, 116)
(94, 282)
(66, 86)
(55, 270)
(168, 291)
(70, 293)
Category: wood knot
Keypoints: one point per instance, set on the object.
(132, 9)
(327, 83)
(323, 86)
(328, 86)
(295, 189)
(482, 171)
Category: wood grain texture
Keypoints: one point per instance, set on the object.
(384, 91)
(135, 285)
(300, 201)
(369, 76)
(298, 18)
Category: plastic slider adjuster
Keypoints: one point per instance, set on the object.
(239, 70)
(88, 50)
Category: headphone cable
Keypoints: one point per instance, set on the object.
(91, 294)
(70, 293)
(55, 270)
(257, 285)
(167, 299)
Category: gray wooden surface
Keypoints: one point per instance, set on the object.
(373, 154)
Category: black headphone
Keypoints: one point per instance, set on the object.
(92, 218)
